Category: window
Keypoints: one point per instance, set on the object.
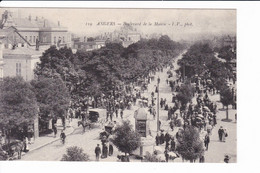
(63, 39)
(54, 40)
(25, 37)
(18, 69)
(30, 39)
(1, 74)
(34, 39)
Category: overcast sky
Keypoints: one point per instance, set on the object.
(203, 21)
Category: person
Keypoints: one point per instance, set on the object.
(236, 117)
(55, 131)
(202, 159)
(3, 154)
(220, 133)
(157, 139)
(62, 136)
(97, 152)
(172, 124)
(173, 144)
(214, 120)
(226, 159)
(30, 135)
(161, 102)
(127, 157)
(154, 113)
(110, 149)
(121, 113)
(167, 139)
(70, 114)
(26, 146)
(209, 129)
(162, 138)
(224, 135)
(166, 152)
(166, 107)
(116, 109)
(206, 141)
(105, 150)
(63, 122)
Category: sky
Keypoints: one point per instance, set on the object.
(84, 21)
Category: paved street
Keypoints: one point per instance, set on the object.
(90, 138)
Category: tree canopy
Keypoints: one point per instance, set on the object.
(100, 71)
(52, 96)
(75, 153)
(226, 97)
(200, 60)
(190, 146)
(18, 106)
(185, 94)
(125, 138)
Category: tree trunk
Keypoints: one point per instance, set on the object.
(227, 112)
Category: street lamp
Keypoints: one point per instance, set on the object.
(158, 122)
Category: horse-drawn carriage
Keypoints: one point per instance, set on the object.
(94, 116)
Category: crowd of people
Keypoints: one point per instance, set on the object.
(201, 114)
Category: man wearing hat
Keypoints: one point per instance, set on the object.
(220, 133)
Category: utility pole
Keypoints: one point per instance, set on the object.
(158, 103)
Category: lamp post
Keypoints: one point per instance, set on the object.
(158, 102)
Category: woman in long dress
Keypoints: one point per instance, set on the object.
(224, 135)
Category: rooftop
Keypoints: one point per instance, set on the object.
(30, 23)
(21, 51)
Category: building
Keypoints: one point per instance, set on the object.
(23, 41)
(88, 45)
(20, 62)
(126, 35)
(1, 60)
(29, 31)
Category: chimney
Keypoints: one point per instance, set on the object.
(30, 17)
(58, 23)
(36, 18)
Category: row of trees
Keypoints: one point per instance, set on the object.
(200, 61)
(63, 76)
(101, 71)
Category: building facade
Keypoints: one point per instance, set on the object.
(29, 31)
(20, 62)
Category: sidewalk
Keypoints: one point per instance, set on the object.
(49, 138)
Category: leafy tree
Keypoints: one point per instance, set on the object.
(125, 138)
(18, 106)
(101, 71)
(185, 94)
(190, 146)
(52, 96)
(75, 153)
(226, 98)
(226, 53)
(200, 59)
